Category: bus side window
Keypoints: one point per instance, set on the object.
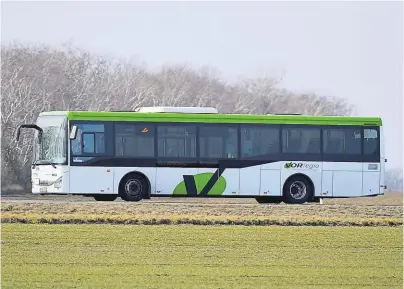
(259, 141)
(89, 140)
(93, 143)
(89, 143)
(370, 139)
(342, 141)
(134, 140)
(99, 143)
(298, 140)
(218, 141)
(176, 141)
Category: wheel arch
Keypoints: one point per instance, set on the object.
(140, 174)
(303, 176)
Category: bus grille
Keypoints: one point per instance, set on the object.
(45, 182)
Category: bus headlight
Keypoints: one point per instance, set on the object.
(58, 183)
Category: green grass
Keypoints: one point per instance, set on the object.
(389, 199)
(201, 214)
(117, 256)
(127, 219)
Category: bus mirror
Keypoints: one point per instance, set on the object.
(34, 126)
(73, 132)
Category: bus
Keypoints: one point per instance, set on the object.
(199, 152)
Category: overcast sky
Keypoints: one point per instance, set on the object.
(348, 49)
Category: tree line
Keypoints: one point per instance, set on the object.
(38, 78)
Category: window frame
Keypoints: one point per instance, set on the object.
(375, 157)
(209, 160)
(266, 157)
(316, 157)
(108, 142)
(94, 140)
(151, 124)
(174, 159)
(351, 158)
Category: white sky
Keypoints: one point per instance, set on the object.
(348, 49)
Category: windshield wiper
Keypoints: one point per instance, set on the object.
(35, 163)
(50, 163)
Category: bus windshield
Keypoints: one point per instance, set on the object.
(52, 149)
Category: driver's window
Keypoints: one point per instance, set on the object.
(89, 143)
(89, 140)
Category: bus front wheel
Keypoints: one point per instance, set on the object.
(133, 187)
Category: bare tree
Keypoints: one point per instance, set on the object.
(40, 78)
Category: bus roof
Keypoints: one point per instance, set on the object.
(216, 118)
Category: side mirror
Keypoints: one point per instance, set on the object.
(73, 132)
(34, 126)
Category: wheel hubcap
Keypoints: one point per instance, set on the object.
(133, 187)
(298, 190)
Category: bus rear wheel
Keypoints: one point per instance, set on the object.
(297, 190)
(133, 187)
(105, 198)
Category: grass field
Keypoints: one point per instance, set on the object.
(387, 211)
(323, 251)
(117, 256)
(191, 213)
(389, 198)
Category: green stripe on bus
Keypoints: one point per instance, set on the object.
(223, 118)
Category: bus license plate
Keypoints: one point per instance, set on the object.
(43, 190)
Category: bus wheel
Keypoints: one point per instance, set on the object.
(268, 200)
(105, 198)
(297, 190)
(133, 187)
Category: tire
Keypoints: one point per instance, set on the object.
(268, 200)
(133, 187)
(297, 190)
(105, 198)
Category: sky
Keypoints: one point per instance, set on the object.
(352, 50)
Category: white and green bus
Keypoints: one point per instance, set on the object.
(197, 152)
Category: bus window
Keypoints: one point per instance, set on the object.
(176, 141)
(259, 140)
(342, 141)
(218, 141)
(298, 140)
(90, 139)
(371, 140)
(134, 140)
